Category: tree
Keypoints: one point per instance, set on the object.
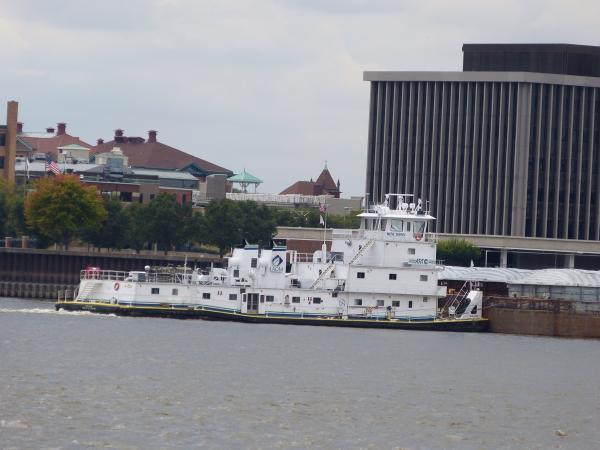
(166, 220)
(457, 252)
(112, 232)
(137, 234)
(224, 224)
(257, 223)
(61, 208)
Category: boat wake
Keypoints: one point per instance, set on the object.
(61, 312)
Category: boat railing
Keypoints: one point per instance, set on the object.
(97, 274)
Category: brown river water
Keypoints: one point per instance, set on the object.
(85, 381)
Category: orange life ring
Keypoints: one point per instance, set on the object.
(117, 286)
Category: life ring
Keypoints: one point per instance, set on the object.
(117, 286)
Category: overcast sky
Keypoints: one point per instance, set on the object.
(272, 86)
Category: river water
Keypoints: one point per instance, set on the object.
(79, 380)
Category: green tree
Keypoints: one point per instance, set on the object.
(61, 208)
(257, 223)
(457, 252)
(112, 232)
(137, 234)
(167, 221)
(224, 224)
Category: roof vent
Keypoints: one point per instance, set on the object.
(50, 130)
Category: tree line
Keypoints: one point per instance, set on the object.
(60, 210)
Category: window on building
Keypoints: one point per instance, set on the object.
(2, 140)
(295, 299)
(317, 300)
(392, 276)
(206, 295)
(141, 198)
(155, 291)
(358, 302)
(232, 296)
(396, 303)
(183, 198)
(236, 273)
(152, 196)
(424, 278)
(175, 292)
(360, 274)
(410, 303)
(253, 262)
(1, 162)
(125, 196)
(411, 251)
(262, 298)
(425, 299)
(380, 303)
(270, 298)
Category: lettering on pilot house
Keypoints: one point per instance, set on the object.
(277, 264)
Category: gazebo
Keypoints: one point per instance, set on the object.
(244, 179)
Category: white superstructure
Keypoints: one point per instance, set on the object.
(386, 270)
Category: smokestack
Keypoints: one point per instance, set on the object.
(152, 136)
(50, 130)
(61, 128)
(100, 141)
(118, 132)
(19, 127)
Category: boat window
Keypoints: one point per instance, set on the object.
(317, 300)
(380, 303)
(232, 296)
(407, 226)
(155, 290)
(360, 274)
(411, 251)
(419, 227)
(424, 277)
(383, 224)
(396, 303)
(295, 299)
(397, 225)
(270, 298)
(236, 273)
(392, 276)
(358, 302)
(410, 303)
(175, 292)
(253, 262)
(206, 295)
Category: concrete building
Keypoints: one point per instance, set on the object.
(510, 146)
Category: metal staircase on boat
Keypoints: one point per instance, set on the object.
(87, 291)
(455, 301)
(331, 266)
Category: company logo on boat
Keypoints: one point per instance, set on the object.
(277, 264)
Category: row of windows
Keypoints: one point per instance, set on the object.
(392, 276)
(313, 300)
(395, 303)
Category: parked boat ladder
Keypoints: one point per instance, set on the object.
(454, 302)
(324, 274)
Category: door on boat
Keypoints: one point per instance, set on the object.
(252, 306)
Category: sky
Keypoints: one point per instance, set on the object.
(271, 86)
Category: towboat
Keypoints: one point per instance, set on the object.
(383, 275)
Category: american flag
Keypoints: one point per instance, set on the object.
(322, 207)
(51, 166)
